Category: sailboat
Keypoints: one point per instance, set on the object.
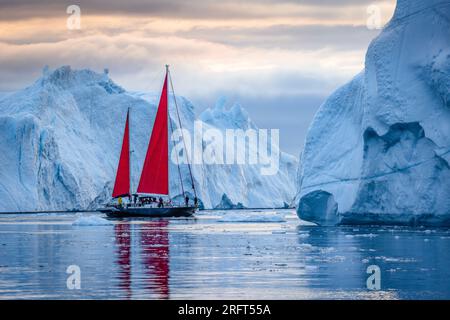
(152, 198)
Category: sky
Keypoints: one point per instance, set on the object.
(279, 59)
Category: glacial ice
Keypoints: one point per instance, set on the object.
(378, 149)
(226, 203)
(61, 139)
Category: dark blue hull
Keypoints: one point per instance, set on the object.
(149, 212)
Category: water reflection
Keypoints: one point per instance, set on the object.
(208, 258)
(335, 260)
(123, 242)
(413, 262)
(155, 257)
(142, 252)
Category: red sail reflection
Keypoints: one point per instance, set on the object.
(155, 249)
(123, 241)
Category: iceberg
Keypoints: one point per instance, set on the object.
(226, 203)
(61, 140)
(378, 150)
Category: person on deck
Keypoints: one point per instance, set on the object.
(186, 200)
(161, 203)
(195, 201)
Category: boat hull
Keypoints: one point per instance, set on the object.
(149, 212)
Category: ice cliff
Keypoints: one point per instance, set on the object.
(378, 149)
(61, 138)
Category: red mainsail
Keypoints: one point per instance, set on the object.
(155, 173)
(122, 184)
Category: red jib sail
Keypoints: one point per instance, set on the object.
(122, 184)
(155, 173)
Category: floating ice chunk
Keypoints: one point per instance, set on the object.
(91, 221)
(303, 235)
(335, 259)
(306, 247)
(326, 249)
(252, 217)
(369, 235)
(392, 259)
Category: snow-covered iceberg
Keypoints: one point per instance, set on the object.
(378, 149)
(61, 137)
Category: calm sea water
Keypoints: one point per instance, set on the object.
(266, 255)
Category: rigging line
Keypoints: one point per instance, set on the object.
(149, 88)
(182, 137)
(176, 155)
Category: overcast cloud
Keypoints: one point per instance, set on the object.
(278, 58)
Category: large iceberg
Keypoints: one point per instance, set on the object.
(61, 140)
(378, 149)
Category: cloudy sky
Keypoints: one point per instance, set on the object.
(278, 58)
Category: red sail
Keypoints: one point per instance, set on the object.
(155, 173)
(122, 184)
